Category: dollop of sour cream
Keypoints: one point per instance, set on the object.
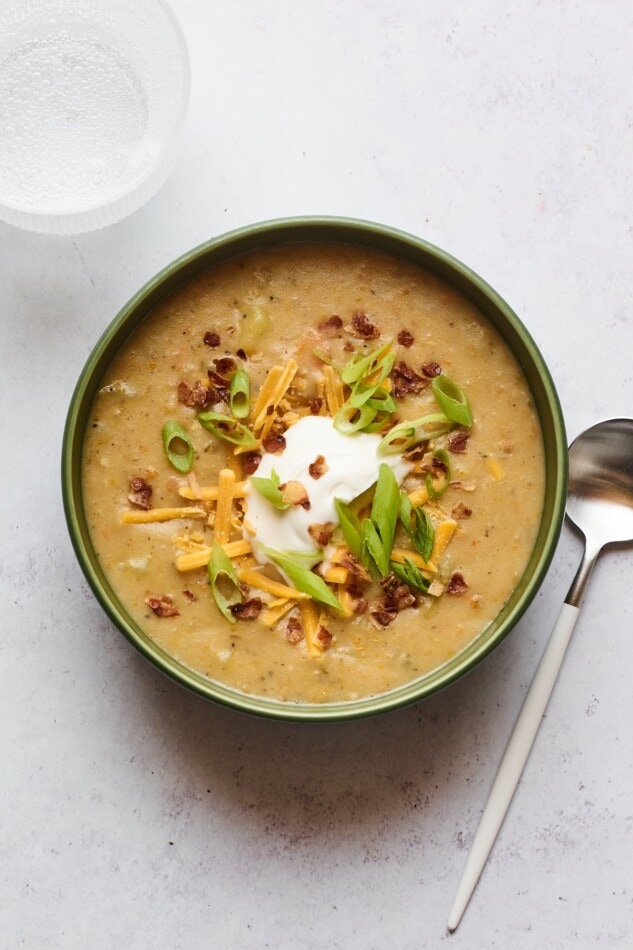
(352, 467)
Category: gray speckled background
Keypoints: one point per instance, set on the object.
(135, 815)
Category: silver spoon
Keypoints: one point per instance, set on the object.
(600, 504)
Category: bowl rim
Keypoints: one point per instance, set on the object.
(372, 236)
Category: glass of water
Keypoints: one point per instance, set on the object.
(93, 97)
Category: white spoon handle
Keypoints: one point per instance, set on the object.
(514, 759)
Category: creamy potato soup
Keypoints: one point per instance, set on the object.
(314, 473)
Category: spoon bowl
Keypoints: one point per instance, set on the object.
(600, 493)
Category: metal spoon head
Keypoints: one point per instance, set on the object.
(600, 494)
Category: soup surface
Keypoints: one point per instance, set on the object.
(267, 350)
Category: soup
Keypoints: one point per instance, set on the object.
(314, 473)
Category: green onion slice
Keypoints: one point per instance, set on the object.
(410, 432)
(174, 438)
(360, 366)
(435, 491)
(227, 428)
(222, 572)
(418, 525)
(410, 573)
(268, 488)
(385, 507)
(372, 552)
(240, 394)
(301, 576)
(351, 419)
(452, 400)
(350, 526)
(323, 356)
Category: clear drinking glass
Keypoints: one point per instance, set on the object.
(93, 96)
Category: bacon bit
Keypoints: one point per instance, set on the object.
(360, 603)
(405, 338)
(211, 338)
(197, 396)
(364, 327)
(162, 606)
(321, 534)
(140, 493)
(242, 354)
(431, 369)
(354, 566)
(318, 468)
(324, 636)
(417, 452)
(457, 584)
(226, 364)
(293, 493)
(189, 595)
(405, 380)
(398, 596)
(250, 462)
(248, 609)
(332, 323)
(274, 443)
(294, 631)
(458, 442)
(219, 384)
(383, 616)
(461, 511)
(316, 404)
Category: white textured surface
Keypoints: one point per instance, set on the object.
(136, 815)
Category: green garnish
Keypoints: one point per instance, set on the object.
(220, 569)
(269, 489)
(452, 400)
(434, 491)
(174, 437)
(322, 355)
(227, 428)
(418, 525)
(385, 506)
(239, 395)
(408, 433)
(410, 573)
(361, 366)
(350, 526)
(372, 552)
(350, 419)
(301, 576)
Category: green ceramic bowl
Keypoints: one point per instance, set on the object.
(362, 234)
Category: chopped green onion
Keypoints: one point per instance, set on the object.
(384, 508)
(372, 552)
(350, 526)
(452, 400)
(302, 577)
(433, 490)
(410, 432)
(322, 355)
(220, 568)
(268, 488)
(349, 419)
(410, 573)
(360, 366)
(418, 525)
(239, 395)
(227, 428)
(174, 437)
